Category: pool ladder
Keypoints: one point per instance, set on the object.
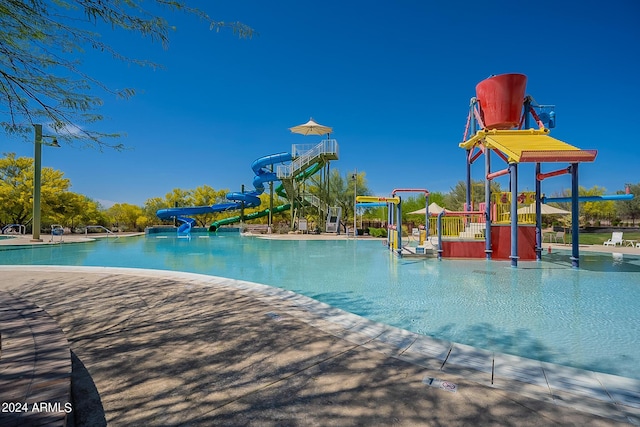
(99, 227)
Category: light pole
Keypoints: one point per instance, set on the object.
(37, 179)
(355, 196)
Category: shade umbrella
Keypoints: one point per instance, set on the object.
(434, 209)
(544, 210)
(311, 128)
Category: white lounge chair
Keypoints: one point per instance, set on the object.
(559, 237)
(615, 240)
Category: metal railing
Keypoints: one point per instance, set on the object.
(306, 155)
(460, 226)
(99, 227)
(21, 228)
(503, 214)
(314, 201)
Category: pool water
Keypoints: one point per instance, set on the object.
(585, 318)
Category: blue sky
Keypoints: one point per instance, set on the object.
(393, 79)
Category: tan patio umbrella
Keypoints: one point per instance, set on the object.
(311, 128)
(434, 209)
(544, 210)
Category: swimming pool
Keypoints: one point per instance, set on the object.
(585, 318)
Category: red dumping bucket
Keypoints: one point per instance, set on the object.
(501, 99)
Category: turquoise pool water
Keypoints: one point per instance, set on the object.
(584, 318)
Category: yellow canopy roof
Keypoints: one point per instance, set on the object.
(531, 145)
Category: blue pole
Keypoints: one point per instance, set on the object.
(538, 216)
(527, 125)
(513, 170)
(575, 217)
(588, 198)
(487, 204)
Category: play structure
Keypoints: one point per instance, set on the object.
(507, 225)
(291, 169)
(394, 221)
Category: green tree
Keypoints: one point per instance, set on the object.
(75, 209)
(179, 198)
(341, 192)
(126, 216)
(151, 206)
(206, 195)
(596, 210)
(411, 204)
(457, 197)
(16, 190)
(41, 43)
(437, 198)
(630, 208)
(590, 210)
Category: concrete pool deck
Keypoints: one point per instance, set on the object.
(168, 348)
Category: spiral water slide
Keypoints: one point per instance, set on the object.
(277, 209)
(250, 199)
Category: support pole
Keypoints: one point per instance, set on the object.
(37, 182)
(538, 215)
(575, 217)
(513, 167)
(390, 221)
(487, 204)
(355, 196)
(242, 206)
(270, 226)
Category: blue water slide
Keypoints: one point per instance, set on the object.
(250, 199)
(186, 226)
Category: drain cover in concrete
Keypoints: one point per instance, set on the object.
(444, 385)
(274, 316)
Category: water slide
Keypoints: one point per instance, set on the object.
(277, 209)
(250, 199)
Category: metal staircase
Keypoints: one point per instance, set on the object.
(315, 201)
(305, 156)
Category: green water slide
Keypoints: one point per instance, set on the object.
(279, 191)
(255, 215)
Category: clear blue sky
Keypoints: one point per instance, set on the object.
(393, 79)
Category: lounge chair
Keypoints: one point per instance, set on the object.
(559, 236)
(615, 240)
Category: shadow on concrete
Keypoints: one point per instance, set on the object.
(87, 406)
(161, 352)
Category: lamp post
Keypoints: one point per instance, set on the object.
(355, 196)
(37, 178)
